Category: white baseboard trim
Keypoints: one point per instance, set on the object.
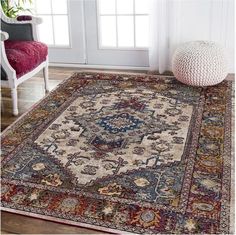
(92, 66)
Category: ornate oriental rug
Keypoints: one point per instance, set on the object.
(123, 153)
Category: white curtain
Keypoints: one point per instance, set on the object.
(158, 45)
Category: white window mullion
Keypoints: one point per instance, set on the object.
(116, 24)
(134, 15)
(53, 31)
(35, 7)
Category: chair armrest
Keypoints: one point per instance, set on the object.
(4, 35)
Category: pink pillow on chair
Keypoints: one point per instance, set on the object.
(24, 56)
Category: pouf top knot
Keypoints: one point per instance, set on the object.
(200, 63)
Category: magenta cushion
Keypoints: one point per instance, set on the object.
(24, 56)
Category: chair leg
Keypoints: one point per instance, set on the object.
(45, 75)
(14, 101)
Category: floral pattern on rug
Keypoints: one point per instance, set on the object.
(135, 153)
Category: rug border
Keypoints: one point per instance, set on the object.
(233, 176)
(228, 155)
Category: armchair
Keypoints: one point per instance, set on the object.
(22, 56)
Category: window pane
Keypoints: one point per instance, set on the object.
(125, 6)
(43, 6)
(125, 31)
(141, 6)
(107, 6)
(59, 6)
(30, 6)
(142, 31)
(46, 30)
(108, 31)
(61, 30)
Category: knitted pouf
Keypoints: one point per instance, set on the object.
(200, 63)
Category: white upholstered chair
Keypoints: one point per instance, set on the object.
(22, 56)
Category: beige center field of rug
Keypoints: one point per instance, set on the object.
(123, 153)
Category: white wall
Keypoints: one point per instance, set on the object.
(201, 20)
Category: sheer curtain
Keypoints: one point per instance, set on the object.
(158, 45)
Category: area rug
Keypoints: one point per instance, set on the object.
(123, 153)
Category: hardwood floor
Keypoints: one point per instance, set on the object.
(29, 93)
(19, 224)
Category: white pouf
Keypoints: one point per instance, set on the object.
(200, 63)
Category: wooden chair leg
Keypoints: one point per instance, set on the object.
(45, 75)
(14, 101)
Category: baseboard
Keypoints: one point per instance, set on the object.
(92, 66)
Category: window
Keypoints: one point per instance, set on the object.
(54, 30)
(123, 24)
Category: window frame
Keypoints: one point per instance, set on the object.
(98, 16)
(69, 46)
